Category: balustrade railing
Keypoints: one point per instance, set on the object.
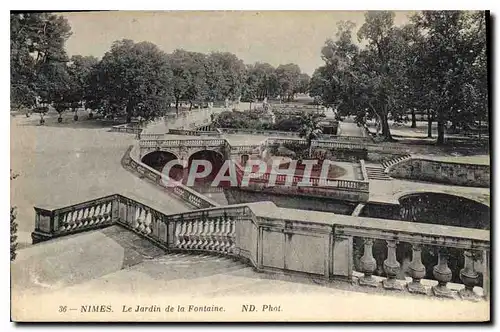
(251, 231)
(419, 236)
(185, 193)
(315, 181)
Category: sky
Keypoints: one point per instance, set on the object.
(278, 37)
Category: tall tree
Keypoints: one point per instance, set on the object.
(225, 75)
(288, 80)
(134, 80)
(189, 76)
(454, 56)
(37, 45)
(379, 33)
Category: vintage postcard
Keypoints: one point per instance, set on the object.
(191, 166)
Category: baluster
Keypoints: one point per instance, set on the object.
(417, 271)
(107, 213)
(443, 275)
(74, 216)
(469, 277)
(368, 264)
(220, 234)
(182, 234)
(85, 219)
(232, 236)
(211, 238)
(189, 235)
(65, 219)
(225, 235)
(135, 221)
(204, 234)
(97, 211)
(91, 215)
(79, 220)
(147, 223)
(141, 221)
(391, 267)
(100, 216)
(177, 236)
(196, 234)
(217, 237)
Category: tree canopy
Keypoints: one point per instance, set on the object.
(436, 63)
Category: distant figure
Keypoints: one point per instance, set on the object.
(226, 103)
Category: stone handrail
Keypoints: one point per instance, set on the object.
(316, 181)
(318, 244)
(193, 132)
(144, 136)
(188, 142)
(363, 169)
(126, 129)
(188, 195)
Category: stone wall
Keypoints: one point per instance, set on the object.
(237, 196)
(460, 174)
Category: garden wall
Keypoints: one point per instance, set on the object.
(460, 174)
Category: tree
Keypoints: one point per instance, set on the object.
(288, 80)
(189, 76)
(37, 44)
(454, 56)
(225, 75)
(250, 87)
(310, 129)
(303, 83)
(80, 69)
(267, 80)
(133, 80)
(378, 31)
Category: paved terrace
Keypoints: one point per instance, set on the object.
(105, 265)
(61, 165)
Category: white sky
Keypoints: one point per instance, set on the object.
(274, 37)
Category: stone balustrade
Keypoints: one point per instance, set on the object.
(319, 245)
(84, 216)
(126, 129)
(188, 195)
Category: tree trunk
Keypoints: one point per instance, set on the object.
(386, 131)
(429, 124)
(177, 105)
(250, 106)
(129, 111)
(440, 128)
(190, 105)
(413, 119)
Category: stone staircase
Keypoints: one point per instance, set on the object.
(377, 173)
(395, 160)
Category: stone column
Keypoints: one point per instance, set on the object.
(417, 271)
(368, 264)
(443, 275)
(391, 267)
(469, 277)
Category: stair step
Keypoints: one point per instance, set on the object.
(377, 173)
